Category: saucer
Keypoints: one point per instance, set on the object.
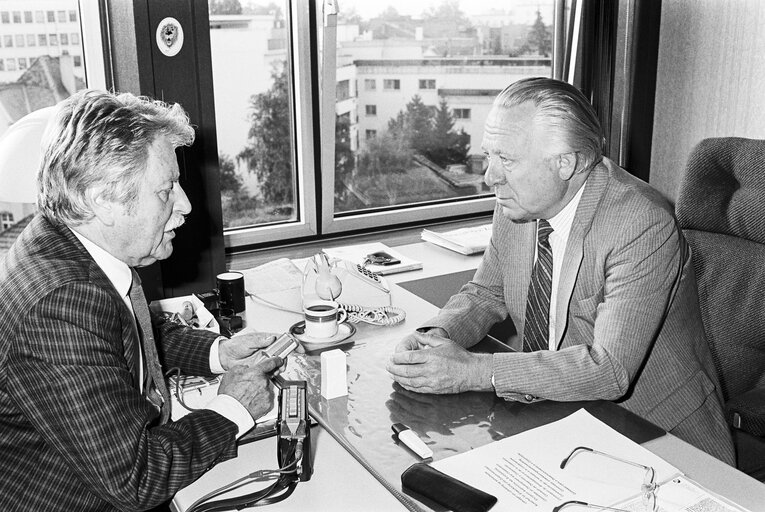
(344, 333)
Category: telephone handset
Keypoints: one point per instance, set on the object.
(351, 284)
(364, 274)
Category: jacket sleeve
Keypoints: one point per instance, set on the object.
(68, 374)
(469, 315)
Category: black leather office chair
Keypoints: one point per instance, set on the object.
(721, 209)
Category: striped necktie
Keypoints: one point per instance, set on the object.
(155, 387)
(536, 330)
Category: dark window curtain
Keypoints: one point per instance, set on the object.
(598, 49)
(609, 50)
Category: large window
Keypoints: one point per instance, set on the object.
(331, 121)
(389, 153)
(36, 76)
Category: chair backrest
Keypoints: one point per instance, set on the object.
(721, 209)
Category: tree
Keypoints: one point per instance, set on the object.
(230, 182)
(225, 7)
(449, 147)
(344, 163)
(269, 150)
(539, 37)
(271, 8)
(448, 9)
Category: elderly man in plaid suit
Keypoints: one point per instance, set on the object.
(590, 265)
(81, 428)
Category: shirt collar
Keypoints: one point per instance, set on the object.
(561, 222)
(117, 271)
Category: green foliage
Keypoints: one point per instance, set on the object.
(268, 153)
(386, 153)
(344, 162)
(448, 147)
(225, 7)
(540, 37)
(230, 182)
(429, 132)
(447, 9)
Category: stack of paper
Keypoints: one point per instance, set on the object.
(524, 471)
(465, 240)
(358, 254)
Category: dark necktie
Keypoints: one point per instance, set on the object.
(155, 387)
(536, 331)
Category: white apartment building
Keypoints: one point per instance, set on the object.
(33, 28)
(372, 92)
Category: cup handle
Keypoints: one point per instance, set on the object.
(341, 315)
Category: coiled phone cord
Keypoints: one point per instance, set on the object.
(383, 315)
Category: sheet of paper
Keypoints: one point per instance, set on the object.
(464, 240)
(275, 276)
(523, 471)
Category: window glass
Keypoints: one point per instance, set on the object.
(252, 90)
(16, 16)
(5, 17)
(441, 63)
(32, 76)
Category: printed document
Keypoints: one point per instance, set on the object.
(524, 473)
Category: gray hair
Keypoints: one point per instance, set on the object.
(564, 111)
(96, 138)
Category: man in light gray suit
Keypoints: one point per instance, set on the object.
(622, 321)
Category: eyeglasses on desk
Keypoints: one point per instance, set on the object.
(647, 489)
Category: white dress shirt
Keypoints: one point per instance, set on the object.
(121, 278)
(561, 224)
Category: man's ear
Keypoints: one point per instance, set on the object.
(567, 164)
(102, 208)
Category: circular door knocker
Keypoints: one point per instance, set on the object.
(169, 37)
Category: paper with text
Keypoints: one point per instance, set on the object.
(523, 471)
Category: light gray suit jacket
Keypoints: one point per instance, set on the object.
(628, 325)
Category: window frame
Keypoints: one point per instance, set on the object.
(299, 42)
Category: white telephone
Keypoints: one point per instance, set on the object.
(350, 284)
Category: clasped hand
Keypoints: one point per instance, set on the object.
(429, 363)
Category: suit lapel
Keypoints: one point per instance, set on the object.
(130, 339)
(572, 259)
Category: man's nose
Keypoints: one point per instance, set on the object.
(493, 175)
(182, 204)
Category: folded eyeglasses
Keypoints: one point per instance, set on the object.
(647, 490)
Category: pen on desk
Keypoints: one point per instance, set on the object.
(411, 440)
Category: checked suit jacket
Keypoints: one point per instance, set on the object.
(628, 325)
(76, 434)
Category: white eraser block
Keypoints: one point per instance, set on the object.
(334, 381)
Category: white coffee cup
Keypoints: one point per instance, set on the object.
(322, 318)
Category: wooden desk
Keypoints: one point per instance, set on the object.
(340, 482)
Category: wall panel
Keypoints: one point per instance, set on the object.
(710, 83)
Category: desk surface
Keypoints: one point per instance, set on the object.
(340, 482)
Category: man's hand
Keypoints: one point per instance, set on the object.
(251, 386)
(411, 341)
(240, 347)
(444, 367)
